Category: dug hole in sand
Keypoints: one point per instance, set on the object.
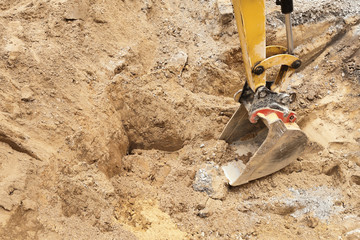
(111, 111)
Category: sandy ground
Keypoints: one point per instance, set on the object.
(109, 109)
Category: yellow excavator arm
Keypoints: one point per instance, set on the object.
(250, 21)
(277, 136)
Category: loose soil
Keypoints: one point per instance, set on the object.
(109, 109)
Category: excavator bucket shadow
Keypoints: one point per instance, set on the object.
(274, 145)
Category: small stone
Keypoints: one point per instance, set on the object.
(311, 95)
(211, 181)
(331, 168)
(177, 63)
(29, 204)
(132, 201)
(119, 66)
(200, 206)
(191, 174)
(350, 20)
(204, 214)
(202, 145)
(27, 94)
(98, 13)
(210, 207)
(148, 6)
(355, 179)
(219, 188)
(13, 58)
(203, 182)
(226, 10)
(311, 221)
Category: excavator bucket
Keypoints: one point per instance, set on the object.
(272, 143)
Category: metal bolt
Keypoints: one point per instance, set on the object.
(259, 70)
(296, 64)
(291, 118)
(262, 94)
